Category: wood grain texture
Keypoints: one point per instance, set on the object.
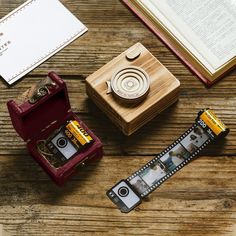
(163, 91)
(198, 200)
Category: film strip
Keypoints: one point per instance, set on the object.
(127, 194)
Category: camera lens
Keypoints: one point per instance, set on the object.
(62, 142)
(123, 191)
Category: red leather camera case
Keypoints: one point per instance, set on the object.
(34, 122)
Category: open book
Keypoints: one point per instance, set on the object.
(201, 33)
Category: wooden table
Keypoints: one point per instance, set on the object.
(198, 200)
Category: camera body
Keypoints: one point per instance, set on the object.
(133, 88)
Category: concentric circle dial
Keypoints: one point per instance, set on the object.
(130, 84)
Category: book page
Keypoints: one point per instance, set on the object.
(161, 18)
(208, 25)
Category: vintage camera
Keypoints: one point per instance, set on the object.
(124, 196)
(133, 88)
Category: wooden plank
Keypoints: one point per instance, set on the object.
(204, 177)
(149, 140)
(162, 130)
(42, 220)
(202, 196)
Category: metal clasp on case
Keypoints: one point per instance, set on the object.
(41, 92)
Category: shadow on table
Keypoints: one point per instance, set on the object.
(22, 180)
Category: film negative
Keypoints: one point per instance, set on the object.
(127, 194)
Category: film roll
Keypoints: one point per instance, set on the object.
(127, 194)
(130, 84)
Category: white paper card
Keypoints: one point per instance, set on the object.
(32, 33)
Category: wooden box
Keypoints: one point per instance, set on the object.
(164, 89)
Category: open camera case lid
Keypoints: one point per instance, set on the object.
(30, 120)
